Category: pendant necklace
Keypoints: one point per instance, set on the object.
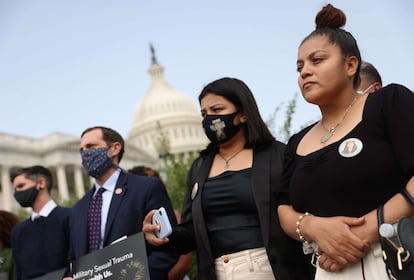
(227, 165)
(330, 132)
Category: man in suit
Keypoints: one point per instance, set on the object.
(40, 243)
(126, 199)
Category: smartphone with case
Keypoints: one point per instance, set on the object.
(160, 217)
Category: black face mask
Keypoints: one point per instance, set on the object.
(27, 197)
(220, 128)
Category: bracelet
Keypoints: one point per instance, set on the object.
(301, 237)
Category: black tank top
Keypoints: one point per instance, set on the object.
(230, 213)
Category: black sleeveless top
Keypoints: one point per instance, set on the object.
(230, 213)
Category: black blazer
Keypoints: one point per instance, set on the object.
(285, 254)
(137, 195)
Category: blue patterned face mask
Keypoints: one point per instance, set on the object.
(96, 162)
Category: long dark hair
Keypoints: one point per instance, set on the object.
(7, 221)
(238, 93)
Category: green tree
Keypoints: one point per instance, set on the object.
(284, 131)
(177, 168)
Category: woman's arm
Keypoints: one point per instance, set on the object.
(333, 235)
(394, 209)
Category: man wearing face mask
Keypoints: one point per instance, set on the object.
(40, 243)
(370, 78)
(125, 199)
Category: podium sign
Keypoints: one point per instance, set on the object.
(58, 274)
(124, 260)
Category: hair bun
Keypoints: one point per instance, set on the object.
(330, 17)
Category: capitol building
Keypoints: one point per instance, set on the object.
(165, 121)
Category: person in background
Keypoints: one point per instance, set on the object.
(7, 222)
(229, 214)
(184, 263)
(125, 200)
(370, 78)
(40, 244)
(329, 198)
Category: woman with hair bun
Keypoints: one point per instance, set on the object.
(329, 199)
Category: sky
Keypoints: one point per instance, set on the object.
(70, 64)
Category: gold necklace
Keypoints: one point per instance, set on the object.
(227, 165)
(330, 132)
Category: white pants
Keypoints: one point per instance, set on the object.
(250, 264)
(374, 268)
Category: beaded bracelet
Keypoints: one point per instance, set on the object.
(301, 237)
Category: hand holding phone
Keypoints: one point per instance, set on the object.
(161, 218)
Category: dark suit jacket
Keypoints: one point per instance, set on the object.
(41, 246)
(127, 211)
(285, 254)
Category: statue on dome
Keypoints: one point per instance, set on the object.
(153, 58)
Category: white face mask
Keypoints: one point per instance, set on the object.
(367, 89)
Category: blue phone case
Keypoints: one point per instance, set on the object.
(161, 217)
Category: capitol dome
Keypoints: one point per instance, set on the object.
(166, 114)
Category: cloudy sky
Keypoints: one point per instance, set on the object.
(67, 65)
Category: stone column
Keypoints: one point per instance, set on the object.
(6, 188)
(62, 182)
(91, 182)
(79, 185)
